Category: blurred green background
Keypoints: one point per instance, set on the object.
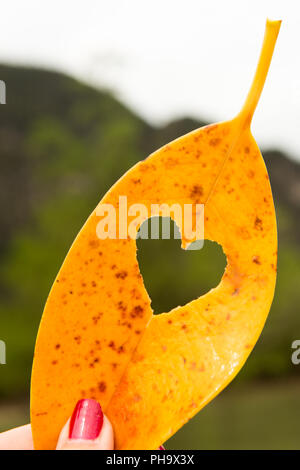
(63, 144)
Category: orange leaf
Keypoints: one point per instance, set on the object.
(98, 337)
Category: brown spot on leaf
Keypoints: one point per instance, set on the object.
(96, 318)
(102, 386)
(214, 142)
(94, 243)
(121, 275)
(137, 311)
(196, 190)
(121, 306)
(258, 224)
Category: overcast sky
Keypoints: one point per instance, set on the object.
(167, 58)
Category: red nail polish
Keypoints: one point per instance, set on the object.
(161, 448)
(86, 421)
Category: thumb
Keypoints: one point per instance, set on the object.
(87, 429)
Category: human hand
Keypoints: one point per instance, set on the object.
(87, 429)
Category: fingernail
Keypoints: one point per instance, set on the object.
(161, 448)
(86, 421)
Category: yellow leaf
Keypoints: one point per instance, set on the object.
(98, 337)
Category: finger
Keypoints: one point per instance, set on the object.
(88, 429)
(17, 439)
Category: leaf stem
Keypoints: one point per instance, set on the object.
(271, 33)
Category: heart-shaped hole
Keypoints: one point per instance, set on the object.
(174, 276)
